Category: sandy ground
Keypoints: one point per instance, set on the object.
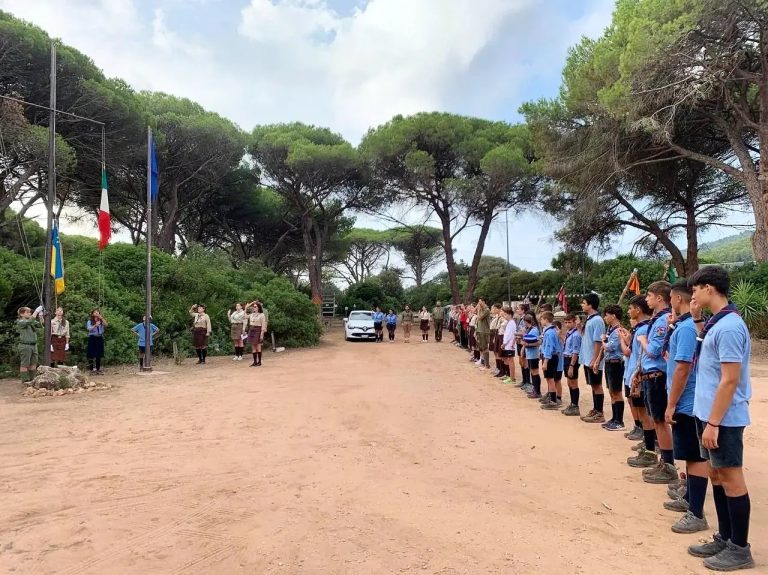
(354, 458)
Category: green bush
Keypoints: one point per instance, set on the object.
(114, 281)
(752, 303)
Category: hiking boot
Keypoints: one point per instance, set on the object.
(639, 446)
(662, 476)
(689, 523)
(678, 493)
(550, 406)
(643, 459)
(677, 505)
(596, 418)
(635, 435)
(655, 469)
(544, 399)
(591, 413)
(731, 558)
(571, 410)
(709, 549)
(615, 426)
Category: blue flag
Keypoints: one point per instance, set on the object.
(57, 261)
(154, 173)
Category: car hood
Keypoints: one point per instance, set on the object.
(360, 324)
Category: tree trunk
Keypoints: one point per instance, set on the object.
(8, 198)
(692, 239)
(166, 238)
(450, 263)
(758, 190)
(472, 282)
(313, 250)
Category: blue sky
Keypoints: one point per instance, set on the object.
(345, 64)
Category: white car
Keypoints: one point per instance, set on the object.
(359, 325)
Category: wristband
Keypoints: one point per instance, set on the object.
(701, 320)
(712, 425)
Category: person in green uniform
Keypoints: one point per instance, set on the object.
(438, 315)
(406, 320)
(483, 332)
(27, 326)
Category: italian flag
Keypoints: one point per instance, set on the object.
(105, 222)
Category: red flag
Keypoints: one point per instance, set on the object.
(634, 284)
(105, 221)
(563, 299)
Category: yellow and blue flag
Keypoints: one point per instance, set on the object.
(57, 261)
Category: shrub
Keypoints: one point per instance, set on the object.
(752, 302)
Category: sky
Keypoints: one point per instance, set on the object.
(346, 64)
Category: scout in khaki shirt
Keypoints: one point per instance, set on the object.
(59, 337)
(27, 326)
(257, 327)
(201, 331)
(406, 320)
(438, 315)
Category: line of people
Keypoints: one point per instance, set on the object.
(684, 377)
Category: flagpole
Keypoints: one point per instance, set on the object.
(509, 271)
(47, 280)
(626, 287)
(148, 283)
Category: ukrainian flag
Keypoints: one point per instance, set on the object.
(57, 261)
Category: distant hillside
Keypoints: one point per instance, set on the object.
(736, 248)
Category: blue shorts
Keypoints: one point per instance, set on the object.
(730, 450)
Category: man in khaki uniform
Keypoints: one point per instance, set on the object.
(483, 331)
(438, 315)
(406, 320)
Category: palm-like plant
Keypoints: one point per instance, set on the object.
(752, 302)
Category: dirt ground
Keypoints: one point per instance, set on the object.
(351, 458)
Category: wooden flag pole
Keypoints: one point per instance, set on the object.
(626, 287)
(666, 269)
(538, 302)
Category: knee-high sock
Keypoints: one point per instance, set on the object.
(536, 380)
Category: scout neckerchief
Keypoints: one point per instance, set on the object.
(711, 322)
(638, 325)
(671, 329)
(569, 334)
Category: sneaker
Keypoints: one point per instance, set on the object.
(662, 476)
(635, 435)
(731, 558)
(639, 446)
(544, 399)
(596, 418)
(614, 426)
(678, 493)
(654, 469)
(643, 459)
(591, 413)
(571, 410)
(709, 549)
(496, 372)
(527, 388)
(551, 406)
(521, 384)
(689, 523)
(234, 358)
(677, 505)
(534, 395)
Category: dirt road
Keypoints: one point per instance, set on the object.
(354, 458)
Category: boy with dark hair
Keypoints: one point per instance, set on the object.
(653, 375)
(591, 344)
(721, 408)
(571, 349)
(140, 330)
(681, 388)
(639, 312)
(614, 366)
(552, 354)
(27, 326)
(483, 333)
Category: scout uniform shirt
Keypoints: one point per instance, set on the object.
(438, 313)
(27, 330)
(594, 328)
(60, 327)
(613, 345)
(483, 321)
(407, 316)
(551, 346)
(652, 359)
(682, 348)
(572, 344)
(201, 320)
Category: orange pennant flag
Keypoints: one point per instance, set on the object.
(634, 284)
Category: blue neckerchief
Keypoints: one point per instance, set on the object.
(671, 329)
(729, 309)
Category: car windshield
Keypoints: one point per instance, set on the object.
(360, 316)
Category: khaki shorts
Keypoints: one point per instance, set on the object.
(28, 354)
(482, 341)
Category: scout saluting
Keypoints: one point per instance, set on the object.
(237, 321)
(201, 331)
(257, 327)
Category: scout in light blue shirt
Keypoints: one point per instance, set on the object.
(551, 346)
(653, 359)
(726, 342)
(532, 351)
(572, 343)
(594, 328)
(682, 348)
(631, 364)
(613, 345)
(139, 330)
(391, 318)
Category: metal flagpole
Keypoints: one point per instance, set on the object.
(148, 285)
(47, 280)
(509, 273)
